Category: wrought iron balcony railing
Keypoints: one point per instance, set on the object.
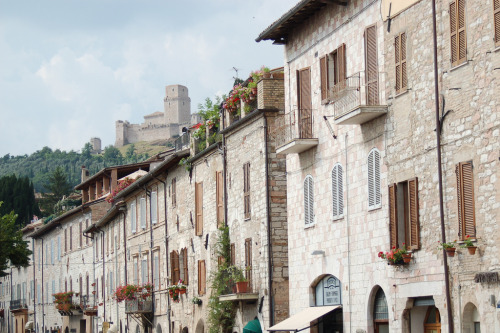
(18, 304)
(139, 305)
(294, 125)
(182, 142)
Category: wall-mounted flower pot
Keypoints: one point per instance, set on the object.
(182, 291)
(450, 251)
(406, 257)
(241, 287)
(472, 249)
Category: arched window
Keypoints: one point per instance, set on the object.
(308, 200)
(380, 312)
(337, 192)
(374, 199)
(329, 291)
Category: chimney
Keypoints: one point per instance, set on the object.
(85, 173)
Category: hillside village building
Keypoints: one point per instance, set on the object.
(160, 125)
(362, 170)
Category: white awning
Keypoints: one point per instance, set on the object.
(302, 320)
(29, 325)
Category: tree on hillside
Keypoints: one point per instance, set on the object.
(18, 196)
(112, 156)
(87, 150)
(58, 187)
(12, 245)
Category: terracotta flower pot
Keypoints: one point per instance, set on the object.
(406, 257)
(472, 249)
(450, 251)
(241, 287)
(182, 291)
(266, 75)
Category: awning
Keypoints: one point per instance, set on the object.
(302, 320)
(253, 326)
(29, 325)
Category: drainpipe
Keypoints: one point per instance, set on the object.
(166, 243)
(148, 194)
(440, 176)
(103, 272)
(269, 245)
(348, 234)
(124, 212)
(224, 166)
(34, 279)
(43, 305)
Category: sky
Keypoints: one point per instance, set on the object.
(70, 68)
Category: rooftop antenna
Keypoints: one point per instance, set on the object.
(236, 71)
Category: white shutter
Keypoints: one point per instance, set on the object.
(337, 192)
(52, 251)
(308, 200)
(133, 217)
(58, 248)
(54, 287)
(144, 270)
(135, 272)
(154, 208)
(374, 199)
(143, 213)
(157, 272)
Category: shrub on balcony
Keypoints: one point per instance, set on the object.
(122, 184)
(131, 292)
(64, 300)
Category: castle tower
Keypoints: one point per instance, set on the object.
(96, 145)
(121, 133)
(177, 105)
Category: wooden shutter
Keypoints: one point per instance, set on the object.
(371, 66)
(465, 198)
(337, 191)
(414, 219)
(496, 21)
(341, 62)
(305, 103)
(185, 261)
(202, 282)
(80, 234)
(174, 262)
(248, 260)
(400, 59)
(246, 189)
(393, 216)
(71, 238)
(308, 200)
(233, 254)
(199, 208)
(220, 198)
(174, 192)
(65, 240)
(323, 69)
(458, 38)
(374, 199)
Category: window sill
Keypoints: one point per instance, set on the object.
(466, 62)
(402, 93)
(496, 49)
(310, 225)
(374, 208)
(337, 218)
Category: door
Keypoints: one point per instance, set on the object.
(371, 66)
(432, 322)
(305, 103)
(83, 325)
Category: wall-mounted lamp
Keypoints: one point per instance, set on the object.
(318, 253)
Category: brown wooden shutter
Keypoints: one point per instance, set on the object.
(65, 240)
(202, 275)
(371, 66)
(400, 60)
(199, 208)
(246, 190)
(496, 21)
(458, 37)
(414, 219)
(305, 103)
(174, 192)
(453, 34)
(233, 254)
(248, 260)
(323, 69)
(393, 216)
(80, 234)
(220, 198)
(174, 262)
(341, 61)
(465, 198)
(185, 264)
(71, 238)
(404, 77)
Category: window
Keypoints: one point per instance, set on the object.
(233, 254)
(156, 269)
(86, 226)
(136, 270)
(58, 248)
(111, 283)
(52, 251)
(65, 240)
(400, 59)
(143, 213)
(458, 38)
(202, 277)
(80, 234)
(144, 269)
(246, 189)
(248, 261)
(380, 312)
(374, 199)
(465, 199)
(220, 198)
(332, 72)
(154, 207)
(71, 238)
(496, 21)
(133, 218)
(337, 192)
(308, 200)
(403, 214)
(174, 262)
(198, 194)
(183, 263)
(174, 192)
(46, 254)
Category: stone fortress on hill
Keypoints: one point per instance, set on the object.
(160, 125)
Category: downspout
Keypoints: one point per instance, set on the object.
(34, 279)
(348, 233)
(148, 194)
(125, 252)
(269, 245)
(224, 167)
(166, 243)
(93, 268)
(103, 272)
(440, 176)
(43, 305)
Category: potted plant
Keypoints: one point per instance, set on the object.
(266, 72)
(239, 278)
(396, 256)
(173, 291)
(196, 300)
(469, 245)
(253, 87)
(181, 287)
(449, 247)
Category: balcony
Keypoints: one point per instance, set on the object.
(294, 132)
(182, 142)
(139, 306)
(69, 306)
(18, 305)
(357, 100)
(88, 305)
(232, 292)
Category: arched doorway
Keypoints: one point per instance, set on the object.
(432, 322)
(471, 319)
(200, 327)
(380, 313)
(185, 329)
(328, 291)
(158, 328)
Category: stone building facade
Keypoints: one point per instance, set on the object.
(362, 173)
(159, 125)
